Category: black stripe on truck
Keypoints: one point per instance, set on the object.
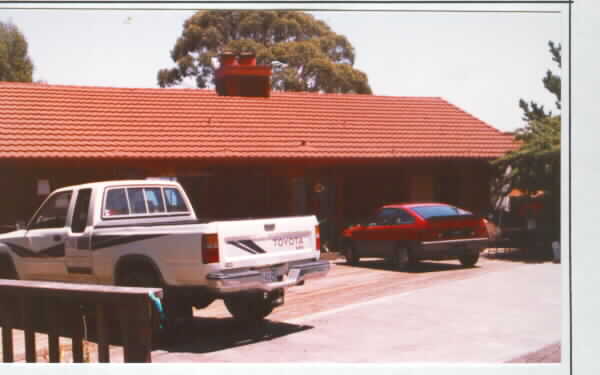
(248, 245)
(98, 242)
(104, 241)
(56, 251)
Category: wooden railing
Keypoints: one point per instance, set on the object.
(124, 314)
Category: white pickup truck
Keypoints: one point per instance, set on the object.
(145, 233)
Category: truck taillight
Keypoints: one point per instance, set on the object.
(317, 238)
(210, 248)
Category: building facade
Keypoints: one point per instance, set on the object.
(334, 155)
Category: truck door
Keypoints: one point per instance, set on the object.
(45, 238)
(79, 260)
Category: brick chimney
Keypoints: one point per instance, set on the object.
(240, 76)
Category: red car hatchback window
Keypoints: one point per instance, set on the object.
(427, 212)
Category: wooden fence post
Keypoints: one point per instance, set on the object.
(55, 308)
(53, 322)
(102, 333)
(7, 321)
(27, 311)
(76, 316)
(136, 327)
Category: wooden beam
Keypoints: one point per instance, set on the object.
(54, 322)
(76, 317)
(136, 327)
(102, 333)
(29, 329)
(7, 343)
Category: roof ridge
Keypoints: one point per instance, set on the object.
(207, 91)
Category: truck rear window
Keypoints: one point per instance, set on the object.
(140, 201)
(427, 212)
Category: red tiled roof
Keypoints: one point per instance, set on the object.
(50, 121)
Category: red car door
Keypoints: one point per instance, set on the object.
(380, 236)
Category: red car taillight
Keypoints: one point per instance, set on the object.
(317, 238)
(210, 248)
(481, 230)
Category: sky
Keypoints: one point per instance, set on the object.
(481, 62)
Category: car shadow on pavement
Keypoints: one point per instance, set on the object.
(421, 267)
(206, 335)
(523, 255)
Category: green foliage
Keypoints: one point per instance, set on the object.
(306, 54)
(15, 65)
(535, 166)
(532, 111)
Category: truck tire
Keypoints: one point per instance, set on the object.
(142, 276)
(178, 309)
(249, 307)
(138, 276)
(351, 254)
(469, 259)
(7, 268)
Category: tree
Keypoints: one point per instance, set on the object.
(533, 111)
(305, 53)
(535, 166)
(15, 64)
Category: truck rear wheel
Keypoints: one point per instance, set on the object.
(250, 306)
(177, 309)
(141, 276)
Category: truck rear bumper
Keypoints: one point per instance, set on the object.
(226, 282)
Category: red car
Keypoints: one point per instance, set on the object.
(408, 233)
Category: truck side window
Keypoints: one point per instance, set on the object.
(116, 203)
(174, 201)
(136, 200)
(154, 200)
(80, 214)
(53, 213)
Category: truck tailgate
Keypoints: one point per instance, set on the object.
(257, 242)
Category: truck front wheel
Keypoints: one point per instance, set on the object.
(7, 268)
(250, 306)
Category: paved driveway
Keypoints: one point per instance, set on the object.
(491, 314)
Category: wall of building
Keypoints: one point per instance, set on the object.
(338, 195)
